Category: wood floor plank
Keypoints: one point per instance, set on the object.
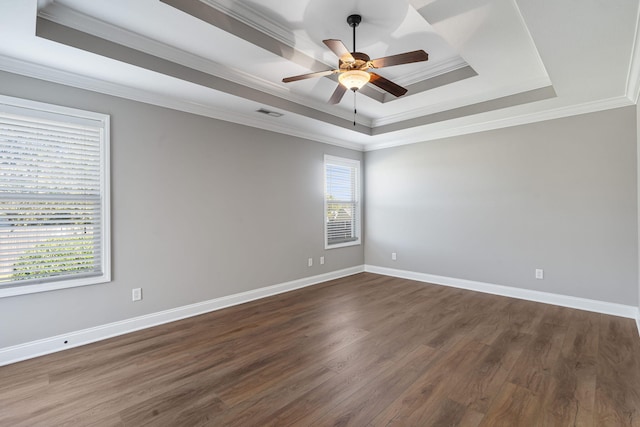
(261, 405)
(192, 404)
(471, 418)
(233, 387)
(571, 402)
(618, 374)
(329, 394)
(539, 357)
(417, 402)
(487, 378)
(378, 392)
(513, 406)
(364, 350)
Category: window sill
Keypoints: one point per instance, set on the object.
(15, 290)
(342, 245)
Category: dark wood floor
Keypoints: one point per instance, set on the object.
(366, 350)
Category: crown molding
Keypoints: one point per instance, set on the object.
(442, 67)
(470, 100)
(256, 20)
(71, 18)
(66, 78)
(419, 135)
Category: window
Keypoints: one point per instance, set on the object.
(54, 197)
(342, 202)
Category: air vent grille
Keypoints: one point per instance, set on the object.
(269, 112)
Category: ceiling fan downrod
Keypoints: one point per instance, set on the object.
(354, 21)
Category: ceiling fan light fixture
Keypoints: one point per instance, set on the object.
(354, 79)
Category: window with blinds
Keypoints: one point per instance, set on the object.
(342, 202)
(53, 197)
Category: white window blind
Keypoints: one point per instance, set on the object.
(342, 207)
(53, 200)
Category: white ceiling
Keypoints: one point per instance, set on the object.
(492, 63)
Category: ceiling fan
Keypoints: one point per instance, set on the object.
(353, 66)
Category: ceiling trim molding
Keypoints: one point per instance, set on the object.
(40, 72)
(418, 113)
(448, 65)
(71, 18)
(633, 77)
(445, 79)
(206, 13)
(517, 120)
(470, 110)
(251, 17)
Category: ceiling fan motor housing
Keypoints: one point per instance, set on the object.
(362, 62)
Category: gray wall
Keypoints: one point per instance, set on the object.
(200, 209)
(560, 195)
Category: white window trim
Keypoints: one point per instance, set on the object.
(43, 110)
(349, 163)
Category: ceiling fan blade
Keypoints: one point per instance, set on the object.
(388, 85)
(401, 58)
(308, 76)
(339, 49)
(337, 94)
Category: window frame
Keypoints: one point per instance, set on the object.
(352, 163)
(44, 111)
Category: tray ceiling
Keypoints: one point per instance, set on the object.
(491, 63)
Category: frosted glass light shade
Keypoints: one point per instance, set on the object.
(354, 79)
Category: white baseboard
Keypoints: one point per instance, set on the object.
(638, 320)
(77, 338)
(614, 309)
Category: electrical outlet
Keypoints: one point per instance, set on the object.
(321, 260)
(393, 256)
(310, 262)
(539, 274)
(136, 294)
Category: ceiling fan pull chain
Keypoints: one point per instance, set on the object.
(354, 108)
